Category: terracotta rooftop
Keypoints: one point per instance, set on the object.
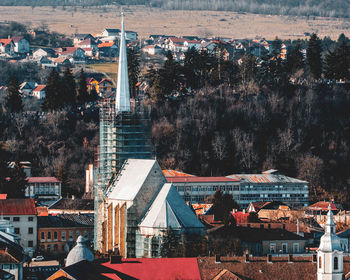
(40, 88)
(302, 268)
(174, 173)
(17, 206)
(195, 179)
(322, 205)
(5, 42)
(42, 179)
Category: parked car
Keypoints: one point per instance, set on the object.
(38, 259)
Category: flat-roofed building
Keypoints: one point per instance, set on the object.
(271, 186)
(197, 189)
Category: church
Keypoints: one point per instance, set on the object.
(134, 204)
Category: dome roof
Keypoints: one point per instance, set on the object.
(79, 252)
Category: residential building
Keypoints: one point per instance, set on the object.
(43, 188)
(11, 260)
(39, 92)
(57, 234)
(198, 189)
(152, 49)
(7, 47)
(44, 52)
(269, 186)
(21, 45)
(74, 54)
(81, 37)
(72, 206)
(26, 88)
(108, 49)
(23, 216)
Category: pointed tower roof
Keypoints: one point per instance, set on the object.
(330, 241)
(123, 93)
(169, 209)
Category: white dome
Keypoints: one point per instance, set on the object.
(79, 252)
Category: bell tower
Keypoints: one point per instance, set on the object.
(330, 253)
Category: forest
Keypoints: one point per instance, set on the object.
(336, 8)
(209, 116)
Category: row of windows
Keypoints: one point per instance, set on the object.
(30, 230)
(237, 187)
(54, 235)
(18, 219)
(284, 248)
(8, 266)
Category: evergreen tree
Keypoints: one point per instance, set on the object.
(83, 95)
(313, 56)
(276, 47)
(13, 98)
(53, 99)
(133, 57)
(330, 69)
(222, 206)
(17, 183)
(4, 171)
(171, 245)
(68, 88)
(295, 59)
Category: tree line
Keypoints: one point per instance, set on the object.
(257, 115)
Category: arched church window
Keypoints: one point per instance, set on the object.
(320, 262)
(335, 263)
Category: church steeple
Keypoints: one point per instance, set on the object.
(123, 93)
(330, 253)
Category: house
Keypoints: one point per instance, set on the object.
(47, 62)
(108, 49)
(43, 189)
(44, 52)
(175, 44)
(105, 85)
(88, 43)
(61, 61)
(21, 45)
(57, 234)
(26, 88)
(208, 46)
(110, 32)
(23, 216)
(131, 35)
(320, 208)
(91, 84)
(11, 259)
(39, 92)
(260, 241)
(192, 44)
(141, 268)
(72, 206)
(78, 38)
(74, 54)
(128, 198)
(7, 47)
(152, 49)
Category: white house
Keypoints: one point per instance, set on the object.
(43, 188)
(21, 44)
(23, 216)
(39, 92)
(7, 47)
(192, 43)
(43, 52)
(152, 49)
(26, 88)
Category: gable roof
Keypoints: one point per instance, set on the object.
(106, 45)
(323, 206)
(17, 206)
(266, 178)
(131, 178)
(174, 173)
(73, 204)
(66, 221)
(42, 179)
(16, 39)
(87, 41)
(195, 179)
(40, 88)
(169, 209)
(5, 42)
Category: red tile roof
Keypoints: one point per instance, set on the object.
(106, 45)
(16, 39)
(177, 40)
(322, 205)
(240, 217)
(39, 88)
(156, 268)
(174, 173)
(17, 206)
(195, 179)
(3, 195)
(42, 211)
(42, 180)
(5, 42)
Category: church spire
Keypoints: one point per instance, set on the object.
(123, 93)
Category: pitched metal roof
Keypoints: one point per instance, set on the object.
(174, 173)
(169, 209)
(264, 178)
(131, 179)
(73, 204)
(66, 221)
(196, 179)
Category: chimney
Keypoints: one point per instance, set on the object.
(269, 258)
(73, 197)
(246, 258)
(298, 233)
(116, 259)
(217, 259)
(87, 180)
(314, 258)
(290, 258)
